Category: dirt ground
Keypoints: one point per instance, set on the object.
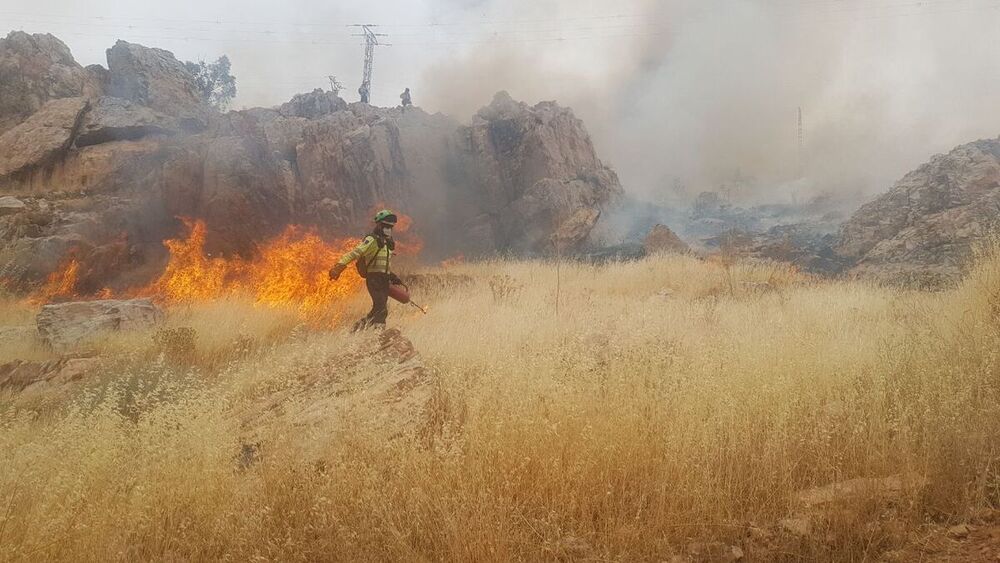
(975, 542)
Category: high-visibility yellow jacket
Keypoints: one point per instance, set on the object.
(377, 259)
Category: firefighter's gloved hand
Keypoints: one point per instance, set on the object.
(394, 279)
(336, 270)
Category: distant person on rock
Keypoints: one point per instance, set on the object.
(405, 97)
(372, 256)
(363, 91)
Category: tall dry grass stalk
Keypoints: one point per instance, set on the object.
(670, 401)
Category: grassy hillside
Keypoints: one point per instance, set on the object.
(660, 404)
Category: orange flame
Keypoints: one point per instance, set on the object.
(190, 275)
(294, 269)
(60, 284)
(290, 270)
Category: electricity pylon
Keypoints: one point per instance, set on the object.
(371, 40)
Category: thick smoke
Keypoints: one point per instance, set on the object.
(680, 95)
(706, 93)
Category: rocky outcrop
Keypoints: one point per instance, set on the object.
(662, 240)
(104, 178)
(537, 173)
(42, 139)
(807, 246)
(384, 374)
(35, 69)
(63, 325)
(314, 105)
(155, 79)
(923, 230)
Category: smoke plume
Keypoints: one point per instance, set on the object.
(687, 95)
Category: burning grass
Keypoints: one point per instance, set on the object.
(669, 401)
(290, 270)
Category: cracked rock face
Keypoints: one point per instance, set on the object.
(924, 229)
(42, 138)
(37, 68)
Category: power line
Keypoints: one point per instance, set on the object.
(525, 35)
(837, 4)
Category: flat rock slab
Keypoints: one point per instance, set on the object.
(117, 119)
(10, 204)
(64, 324)
(17, 376)
(43, 137)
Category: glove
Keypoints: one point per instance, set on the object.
(336, 270)
(394, 280)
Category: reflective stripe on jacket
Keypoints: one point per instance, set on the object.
(376, 258)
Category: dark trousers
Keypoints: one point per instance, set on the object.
(378, 288)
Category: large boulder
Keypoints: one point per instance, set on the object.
(37, 68)
(923, 230)
(10, 205)
(63, 325)
(535, 168)
(663, 240)
(42, 139)
(154, 78)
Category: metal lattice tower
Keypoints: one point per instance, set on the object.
(335, 85)
(371, 40)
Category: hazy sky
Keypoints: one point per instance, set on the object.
(687, 92)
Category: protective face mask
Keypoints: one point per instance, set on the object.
(386, 231)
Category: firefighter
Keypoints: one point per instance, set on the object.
(405, 98)
(373, 255)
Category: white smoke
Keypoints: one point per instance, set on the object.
(709, 90)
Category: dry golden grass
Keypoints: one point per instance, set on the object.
(667, 401)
